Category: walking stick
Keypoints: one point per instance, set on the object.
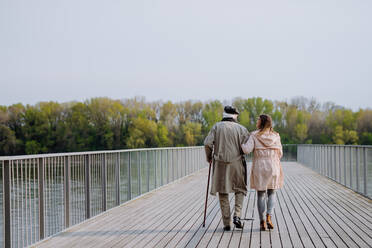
(206, 195)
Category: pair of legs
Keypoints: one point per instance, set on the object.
(225, 206)
(261, 203)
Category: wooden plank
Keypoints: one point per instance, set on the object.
(72, 235)
(306, 231)
(353, 211)
(219, 232)
(193, 223)
(319, 216)
(227, 236)
(353, 230)
(281, 226)
(202, 239)
(195, 237)
(255, 237)
(238, 233)
(249, 214)
(125, 214)
(362, 203)
(166, 213)
(115, 235)
(351, 203)
(158, 229)
(180, 226)
(290, 224)
(327, 215)
(310, 212)
(274, 233)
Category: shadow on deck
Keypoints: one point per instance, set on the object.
(311, 211)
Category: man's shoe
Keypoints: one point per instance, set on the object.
(227, 228)
(268, 222)
(263, 225)
(237, 222)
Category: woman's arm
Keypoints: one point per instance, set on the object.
(248, 146)
(281, 149)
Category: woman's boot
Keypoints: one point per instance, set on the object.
(268, 221)
(263, 225)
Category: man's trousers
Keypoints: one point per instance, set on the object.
(225, 206)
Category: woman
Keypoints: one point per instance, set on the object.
(266, 173)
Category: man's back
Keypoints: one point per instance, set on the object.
(226, 138)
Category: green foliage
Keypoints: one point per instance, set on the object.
(7, 140)
(192, 133)
(103, 123)
(366, 138)
(34, 147)
(301, 132)
(244, 118)
(212, 113)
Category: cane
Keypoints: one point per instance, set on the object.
(206, 195)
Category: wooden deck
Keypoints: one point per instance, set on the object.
(311, 211)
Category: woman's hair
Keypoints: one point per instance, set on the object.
(265, 123)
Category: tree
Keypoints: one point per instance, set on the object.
(192, 133)
(7, 137)
(212, 113)
(301, 132)
(144, 133)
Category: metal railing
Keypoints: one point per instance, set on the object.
(350, 166)
(45, 194)
(41, 195)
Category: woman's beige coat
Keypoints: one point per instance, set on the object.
(266, 172)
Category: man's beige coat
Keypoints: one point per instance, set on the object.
(223, 144)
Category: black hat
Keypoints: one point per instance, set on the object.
(231, 110)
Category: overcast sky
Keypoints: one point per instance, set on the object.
(64, 50)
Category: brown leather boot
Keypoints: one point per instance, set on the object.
(268, 221)
(263, 225)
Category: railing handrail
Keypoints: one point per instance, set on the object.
(50, 155)
(359, 146)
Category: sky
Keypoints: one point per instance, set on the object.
(73, 50)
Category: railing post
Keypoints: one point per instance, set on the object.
(173, 170)
(156, 168)
(351, 167)
(139, 173)
(339, 165)
(148, 171)
(327, 160)
(335, 163)
(357, 168)
(87, 186)
(344, 150)
(129, 176)
(365, 171)
(67, 190)
(41, 197)
(117, 174)
(161, 167)
(168, 166)
(6, 203)
(104, 183)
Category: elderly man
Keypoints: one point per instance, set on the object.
(223, 147)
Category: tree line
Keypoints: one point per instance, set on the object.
(105, 124)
